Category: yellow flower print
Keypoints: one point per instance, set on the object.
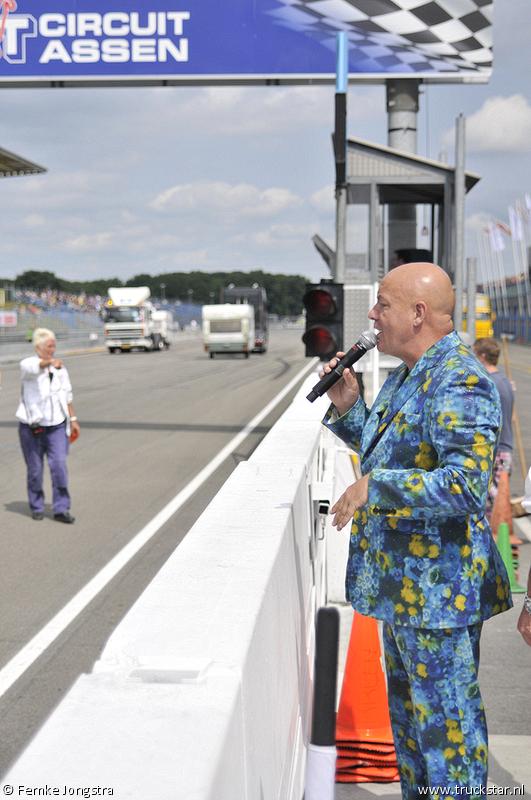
(407, 592)
(399, 608)
(481, 446)
(466, 550)
(400, 424)
(404, 512)
(433, 551)
(409, 595)
(471, 381)
(448, 419)
(501, 589)
(454, 734)
(456, 489)
(426, 458)
(415, 483)
(459, 602)
(416, 547)
(422, 671)
(481, 753)
(480, 566)
(449, 753)
(383, 559)
(364, 544)
(423, 713)
(411, 744)
(470, 463)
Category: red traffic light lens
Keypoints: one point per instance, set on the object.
(320, 302)
(321, 341)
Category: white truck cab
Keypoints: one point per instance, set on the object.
(132, 322)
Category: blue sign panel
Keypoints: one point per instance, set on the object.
(241, 41)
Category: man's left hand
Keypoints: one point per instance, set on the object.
(356, 496)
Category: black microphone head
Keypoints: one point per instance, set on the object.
(368, 340)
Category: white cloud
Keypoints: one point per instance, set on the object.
(502, 124)
(34, 221)
(284, 235)
(88, 242)
(323, 200)
(222, 198)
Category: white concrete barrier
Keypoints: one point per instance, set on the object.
(204, 689)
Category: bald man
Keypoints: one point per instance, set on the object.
(421, 556)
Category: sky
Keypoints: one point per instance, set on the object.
(178, 179)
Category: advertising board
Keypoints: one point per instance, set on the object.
(65, 42)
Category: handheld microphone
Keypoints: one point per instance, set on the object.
(367, 341)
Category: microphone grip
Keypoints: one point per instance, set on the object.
(331, 378)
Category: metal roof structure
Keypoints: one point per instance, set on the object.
(12, 165)
(401, 177)
(380, 176)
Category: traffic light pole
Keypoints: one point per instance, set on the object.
(340, 152)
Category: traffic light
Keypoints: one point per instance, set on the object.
(323, 336)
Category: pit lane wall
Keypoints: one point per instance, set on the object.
(204, 690)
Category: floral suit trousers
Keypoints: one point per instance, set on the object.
(437, 714)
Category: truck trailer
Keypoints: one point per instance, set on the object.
(228, 328)
(256, 297)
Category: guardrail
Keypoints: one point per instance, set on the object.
(204, 689)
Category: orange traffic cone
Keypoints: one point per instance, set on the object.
(501, 510)
(363, 709)
(363, 728)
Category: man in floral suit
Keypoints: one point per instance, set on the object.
(422, 557)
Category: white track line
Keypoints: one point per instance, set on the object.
(15, 668)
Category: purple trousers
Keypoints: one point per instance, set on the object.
(54, 443)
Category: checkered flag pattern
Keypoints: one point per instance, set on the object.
(403, 37)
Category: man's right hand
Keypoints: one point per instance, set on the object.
(343, 394)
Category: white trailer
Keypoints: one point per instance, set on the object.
(162, 325)
(132, 322)
(228, 328)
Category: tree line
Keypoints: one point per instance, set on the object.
(284, 292)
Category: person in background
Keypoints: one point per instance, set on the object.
(421, 553)
(524, 620)
(408, 256)
(488, 353)
(46, 422)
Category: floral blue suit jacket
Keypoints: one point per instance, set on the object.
(421, 552)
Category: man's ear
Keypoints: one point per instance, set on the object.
(420, 313)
